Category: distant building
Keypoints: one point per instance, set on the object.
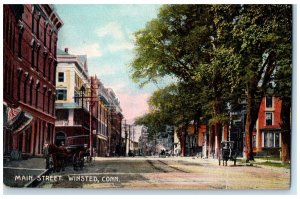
(30, 34)
(116, 117)
(109, 138)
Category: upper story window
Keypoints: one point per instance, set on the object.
(269, 101)
(32, 19)
(61, 94)
(269, 118)
(61, 77)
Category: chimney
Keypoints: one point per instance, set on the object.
(66, 50)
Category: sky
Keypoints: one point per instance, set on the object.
(105, 34)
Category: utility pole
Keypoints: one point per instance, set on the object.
(133, 132)
(91, 100)
(126, 135)
(91, 118)
(129, 136)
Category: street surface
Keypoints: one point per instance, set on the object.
(169, 173)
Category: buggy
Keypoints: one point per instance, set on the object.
(77, 147)
(227, 152)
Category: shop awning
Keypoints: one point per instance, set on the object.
(20, 121)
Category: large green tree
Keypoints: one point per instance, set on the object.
(228, 50)
(184, 41)
(283, 82)
(259, 31)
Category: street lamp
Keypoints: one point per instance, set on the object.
(91, 100)
(82, 92)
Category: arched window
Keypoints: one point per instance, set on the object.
(45, 61)
(31, 85)
(37, 87)
(53, 104)
(49, 68)
(50, 40)
(54, 72)
(32, 44)
(37, 55)
(45, 32)
(44, 94)
(38, 26)
(32, 19)
(20, 36)
(20, 72)
(55, 47)
(25, 86)
(49, 99)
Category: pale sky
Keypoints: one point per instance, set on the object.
(105, 34)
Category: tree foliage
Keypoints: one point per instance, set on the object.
(219, 54)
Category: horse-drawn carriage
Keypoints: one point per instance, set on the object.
(227, 152)
(73, 152)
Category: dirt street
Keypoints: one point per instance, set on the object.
(170, 173)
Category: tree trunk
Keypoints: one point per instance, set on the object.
(251, 117)
(211, 140)
(218, 130)
(285, 129)
(181, 134)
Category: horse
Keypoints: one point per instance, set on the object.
(58, 156)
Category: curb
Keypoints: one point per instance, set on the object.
(35, 182)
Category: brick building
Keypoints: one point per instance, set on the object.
(266, 134)
(29, 55)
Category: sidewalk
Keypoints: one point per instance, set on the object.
(18, 173)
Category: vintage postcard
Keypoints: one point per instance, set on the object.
(168, 97)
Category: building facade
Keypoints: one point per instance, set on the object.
(266, 136)
(29, 55)
(104, 125)
(109, 138)
(72, 106)
(115, 117)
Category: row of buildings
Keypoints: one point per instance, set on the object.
(266, 138)
(84, 107)
(201, 141)
(48, 93)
